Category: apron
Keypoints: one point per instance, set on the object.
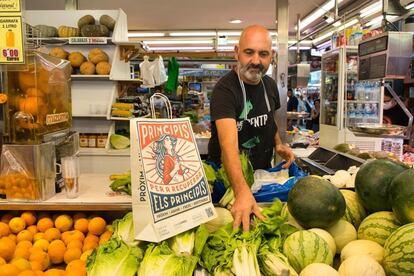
(255, 139)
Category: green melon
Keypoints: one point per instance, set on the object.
(305, 247)
(354, 212)
(378, 227)
(289, 218)
(402, 196)
(399, 252)
(315, 203)
(372, 182)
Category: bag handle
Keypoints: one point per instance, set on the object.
(166, 101)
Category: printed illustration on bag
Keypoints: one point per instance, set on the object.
(171, 168)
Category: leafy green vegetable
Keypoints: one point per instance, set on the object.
(201, 236)
(223, 217)
(114, 257)
(210, 172)
(124, 228)
(245, 261)
(274, 263)
(183, 243)
(161, 260)
(227, 200)
(119, 141)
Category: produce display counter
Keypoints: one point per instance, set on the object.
(94, 195)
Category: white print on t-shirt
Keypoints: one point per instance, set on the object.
(257, 121)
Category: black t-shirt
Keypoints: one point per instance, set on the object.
(256, 134)
(396, 115)
(292, 104)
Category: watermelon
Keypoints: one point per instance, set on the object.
(402, 196)
(305, 247)
(372, 182)
(354, 212)
(315, 203)
(378, 227)
(399, 252)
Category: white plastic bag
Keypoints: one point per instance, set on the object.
(159, 73)
(147, 72)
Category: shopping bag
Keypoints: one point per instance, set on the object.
(170, 191)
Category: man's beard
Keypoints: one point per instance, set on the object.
(252, 72)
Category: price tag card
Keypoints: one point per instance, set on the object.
(11, 40)
(10, 6)
(88, 40)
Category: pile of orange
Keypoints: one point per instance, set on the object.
(39, 244)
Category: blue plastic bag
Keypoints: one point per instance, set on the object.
(269, 192)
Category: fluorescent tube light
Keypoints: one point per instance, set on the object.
(145, 34)
(329, 20)
(229, 33)
(300, 48)
(323, 45)
(337, 24)
(348, 24)
(378, 20)
(179, 48)
(371, 9)
(319, 12)
(172, 42)
(322, 37)
(201, 33)
(410, 6)
(302, 42)
(225, 48)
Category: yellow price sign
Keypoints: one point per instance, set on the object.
(10, 6)
(11, 40)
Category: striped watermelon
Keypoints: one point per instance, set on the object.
(399, 252)
(354, 212)
(305, 247)
(378, 227)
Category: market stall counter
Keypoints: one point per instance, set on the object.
(94, 195)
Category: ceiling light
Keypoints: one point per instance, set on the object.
(206, 33)
(329, 19)
(319, 12)
(171, 42)
(371, 9)
(378, 20)
(301, 42)
(337, 24)
(225, 48)
(300, 48)
(235, 21)
(410, 6)
(179, 48)
(322, 37)
(348, 24)
(145, 34)
(323, 45)
(273, 33)
(229, 33)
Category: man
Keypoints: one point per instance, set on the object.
(293, 102)
(242, 108)
(393, 113)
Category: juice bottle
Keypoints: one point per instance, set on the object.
(9, 38)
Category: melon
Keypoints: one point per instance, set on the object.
(399, 252)
(327, 237)
(354, 212)
(378, 227)
(343, 232)
(305, 247)
(372, 182)
(361, 265)
(319, 270)
(363, 247)
(289, 218)
(315, 202)
(402, 196)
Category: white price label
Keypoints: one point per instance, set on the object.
(88, 40)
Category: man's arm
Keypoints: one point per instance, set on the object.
(244, 204)
(284, 151)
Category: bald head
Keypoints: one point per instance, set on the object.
(254, 53)
(255, 33)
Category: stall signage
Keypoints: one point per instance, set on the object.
(11, 39)
(87, 40)
(10, 6)
(57, 118)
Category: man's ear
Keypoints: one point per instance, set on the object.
(236, 52)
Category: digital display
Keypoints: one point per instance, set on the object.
(195, 86)
(373, 46)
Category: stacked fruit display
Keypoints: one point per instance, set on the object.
(372, 228)
(42, 244)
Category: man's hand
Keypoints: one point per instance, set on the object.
(243, 207)
(286, 153)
